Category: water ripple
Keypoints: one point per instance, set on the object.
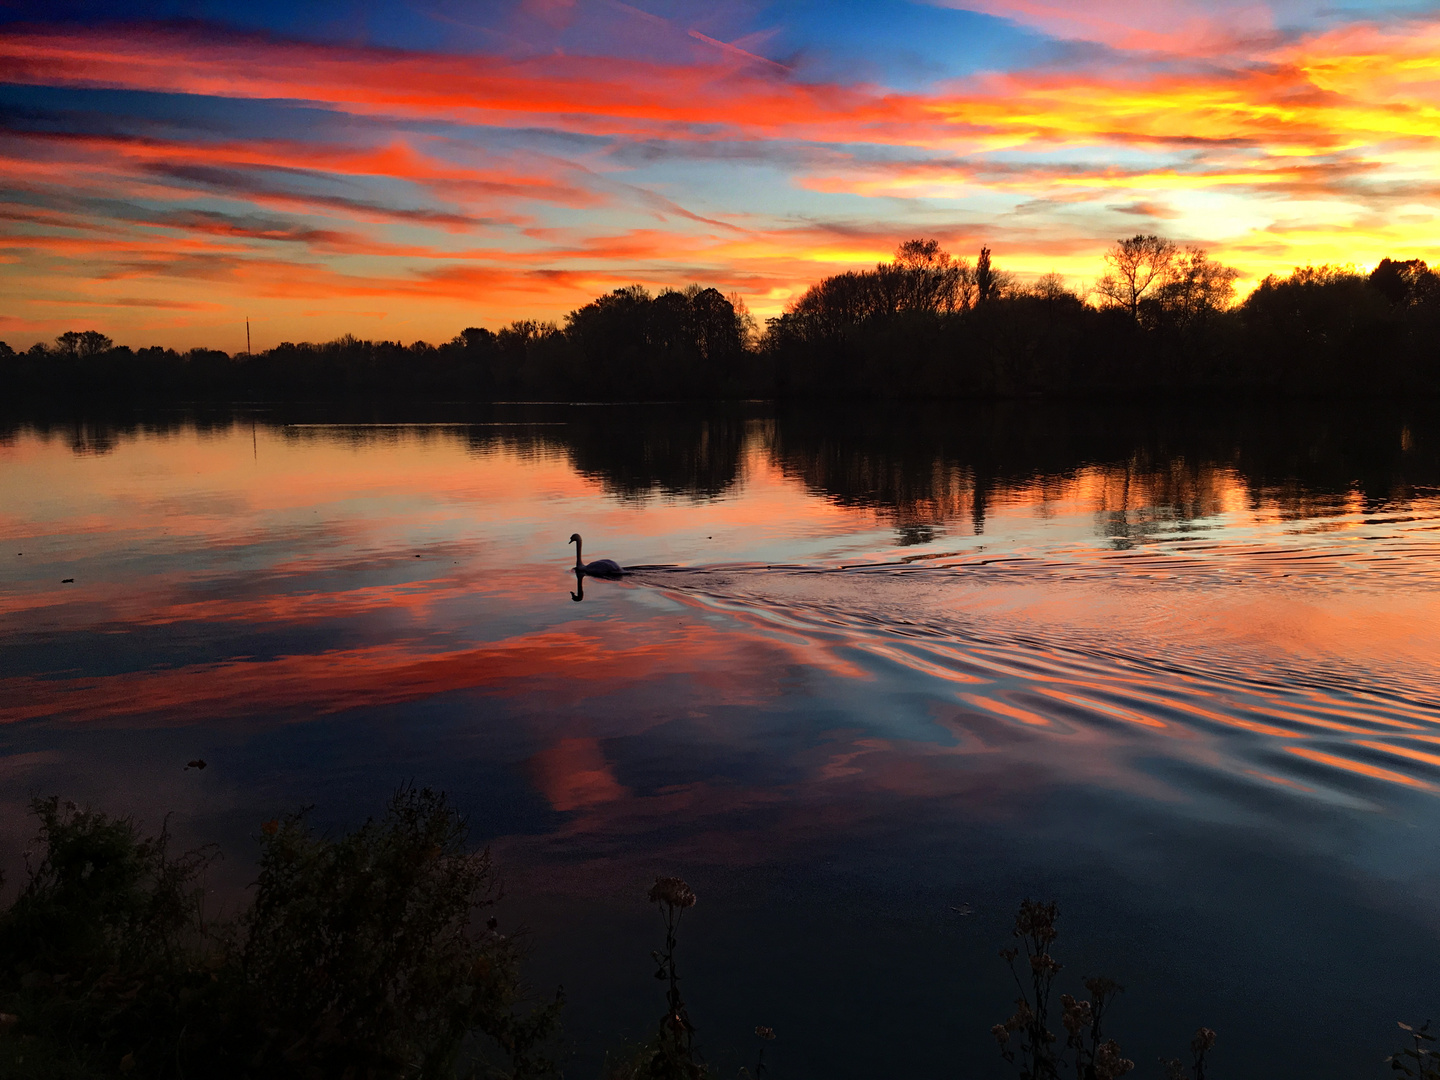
(1152, 649)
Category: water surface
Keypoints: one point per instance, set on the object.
(1175, 670)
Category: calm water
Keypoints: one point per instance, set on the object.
(1175, 671)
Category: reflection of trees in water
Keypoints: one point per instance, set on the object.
(101, 434)
(917, 479)
(1141, 497)
(925, 469)
(85, 439)
(636, 453)
(1139, 469)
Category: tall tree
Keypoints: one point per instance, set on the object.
(1137, 268)
(927, 279)
(986, 286)
(921, 255)
(83, 344)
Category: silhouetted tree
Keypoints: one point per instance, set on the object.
(986, 287)
(1307, 329)
(681, 343)
(1136, 268)
(1194, 287)
(1051, 287)
(1406, 283)
(82, 345)
(922, 325)
(922, 280)
(716, 328)
(930, 280)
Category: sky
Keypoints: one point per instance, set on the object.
(402, 169)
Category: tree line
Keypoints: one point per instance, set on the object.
(1161, 319)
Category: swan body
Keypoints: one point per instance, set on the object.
(598, 568)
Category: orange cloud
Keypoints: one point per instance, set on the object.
(580, 94)
(1273, 149)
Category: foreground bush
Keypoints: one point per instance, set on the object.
(360, 957)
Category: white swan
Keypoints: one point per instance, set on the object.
(598, 568)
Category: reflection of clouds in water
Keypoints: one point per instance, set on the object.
(573, 773)
(554, 666)
(1087, 652)
(1218, 651)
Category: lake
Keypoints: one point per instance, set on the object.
(883, 674)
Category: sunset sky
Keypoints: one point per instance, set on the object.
(401, 169)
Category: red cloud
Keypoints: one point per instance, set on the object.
(1340, 125)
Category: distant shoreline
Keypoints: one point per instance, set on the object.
(922, 328)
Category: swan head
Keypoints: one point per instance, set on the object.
(574, 538)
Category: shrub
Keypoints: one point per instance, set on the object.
(359, 957)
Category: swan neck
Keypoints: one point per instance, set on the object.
(578, 561)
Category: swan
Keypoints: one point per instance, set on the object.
(598, 568)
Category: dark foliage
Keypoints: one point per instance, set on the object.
(623, 346)
(1165, 323)
(101, 956)
(359, 957)
(924, 325)
(626, 345)
(1025, 1039)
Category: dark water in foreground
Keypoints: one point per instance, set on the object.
(1176, 671)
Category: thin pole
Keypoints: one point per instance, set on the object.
(247, 335)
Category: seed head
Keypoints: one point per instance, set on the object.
(672, 891)
(1078, 1014)
(1037, 920)
(1109, 1065)
(1044, 962)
